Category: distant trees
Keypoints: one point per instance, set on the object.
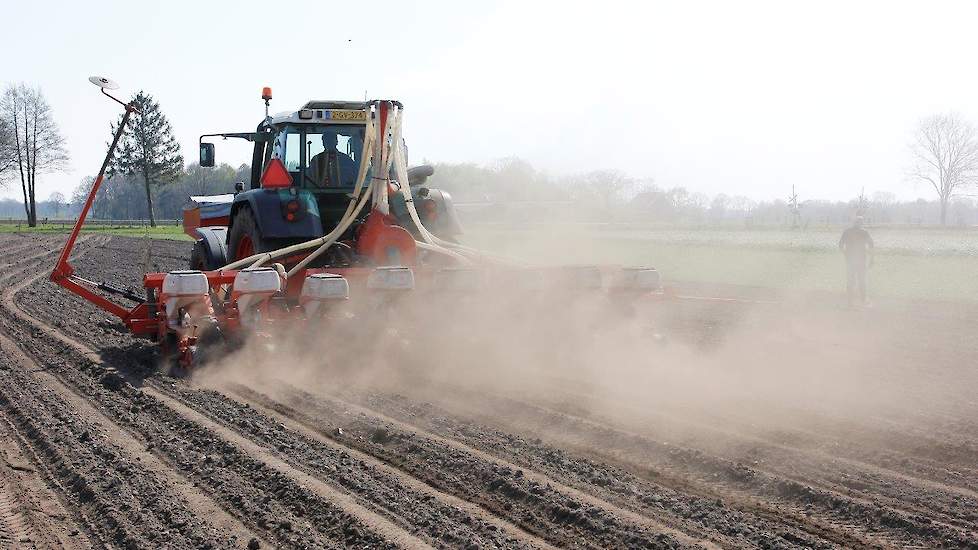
(148, 149)
(605, 187)
(882, 205)
(718, 207)
(80, 194)
(945, 155)
(37, 146)
(57, 201)
(123, 196)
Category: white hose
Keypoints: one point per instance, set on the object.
(357, 203)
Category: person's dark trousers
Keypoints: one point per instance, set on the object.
(856, 280)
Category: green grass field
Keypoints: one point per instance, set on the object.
(910, 263)
(174, 232)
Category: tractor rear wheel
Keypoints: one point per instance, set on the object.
(245, 238)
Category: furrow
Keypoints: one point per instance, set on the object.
(242, 485)
(312, 449)
(456, 466)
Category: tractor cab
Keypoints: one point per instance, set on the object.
(305, 168)
(319, 145)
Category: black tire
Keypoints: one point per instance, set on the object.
(244, 227)
(198, 259)
(208, 255)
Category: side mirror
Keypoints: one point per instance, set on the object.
(207, 155)
(238, 187)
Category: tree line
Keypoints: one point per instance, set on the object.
(147, 179)
(31, 145)
(512, 190)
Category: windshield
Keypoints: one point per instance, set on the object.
(322, 156)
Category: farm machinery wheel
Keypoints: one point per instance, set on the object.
(208, 254)
(197, 260)
(245, 238)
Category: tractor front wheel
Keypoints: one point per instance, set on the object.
(198, 258)
(245, 238)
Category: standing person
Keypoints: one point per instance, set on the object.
(857, 246)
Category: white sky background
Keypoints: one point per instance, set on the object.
(742, 98)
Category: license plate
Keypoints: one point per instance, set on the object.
(346, 115)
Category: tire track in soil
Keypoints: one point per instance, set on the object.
(13, 524)
(637, 452)
(312, 517)
(30, 513)
(22, 521)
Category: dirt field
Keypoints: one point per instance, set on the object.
(696, 423)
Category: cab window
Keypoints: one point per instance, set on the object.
(323, 156)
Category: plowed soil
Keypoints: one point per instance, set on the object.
(792, 425)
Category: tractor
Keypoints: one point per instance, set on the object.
(303, 174)
(332, 215)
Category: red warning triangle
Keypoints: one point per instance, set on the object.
(275, 175)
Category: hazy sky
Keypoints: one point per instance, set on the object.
(736, 97)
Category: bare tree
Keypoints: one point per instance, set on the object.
(794, 209)
(38, 145)
(58, 201)
(945, 151)
(862, 203)
(8, 152)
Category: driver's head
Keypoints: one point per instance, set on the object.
(330, 140)
(858, 221)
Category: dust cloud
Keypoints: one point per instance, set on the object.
(687, 367)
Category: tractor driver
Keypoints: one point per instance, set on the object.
(332, 168)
